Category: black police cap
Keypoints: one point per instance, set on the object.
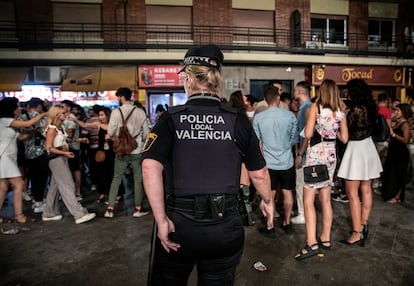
(208, 56)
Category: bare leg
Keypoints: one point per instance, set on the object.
(18, 186)
(4, 184)
(310, 215)
(287, 205)
(354, 208)
(327, 215)
(366, 201)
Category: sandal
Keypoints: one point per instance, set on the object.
(22, 219)
(323, 244)
(101, 199)
(308, 251)
(394, 201)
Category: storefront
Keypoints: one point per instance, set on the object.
(382, 79)
(163, 85)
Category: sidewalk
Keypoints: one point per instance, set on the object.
(115, 251)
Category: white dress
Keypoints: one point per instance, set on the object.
(8, 150)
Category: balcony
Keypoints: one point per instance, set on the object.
(132, 37)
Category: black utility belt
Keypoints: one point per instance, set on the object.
(213, 206)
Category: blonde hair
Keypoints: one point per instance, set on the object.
(206, 77)
(328, 95)
(53, 113)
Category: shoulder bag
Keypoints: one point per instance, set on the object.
(316, 173)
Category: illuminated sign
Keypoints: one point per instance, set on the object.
(160, 76)
(373, 75)
(54, 94)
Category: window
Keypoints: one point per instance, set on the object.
(381, 33)
(253, 26)
(330, 31)
(169, 24)
(77, 23)
(8, 22)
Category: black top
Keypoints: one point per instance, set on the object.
(160, 142)
(360, 125)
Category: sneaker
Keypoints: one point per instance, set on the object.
(140, 213)
(79, 198)
(38, 207)
(342, 198)
(93, 187)
(270, 233)
(299, 219)
(27, 197)
(52, 218)
(85, 218)
(109, 213)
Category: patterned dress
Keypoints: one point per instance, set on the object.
(327, 124)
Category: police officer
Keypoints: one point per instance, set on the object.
(201, 145)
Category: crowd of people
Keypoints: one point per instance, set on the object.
(358, 165)
(48, 152)
(52, 148)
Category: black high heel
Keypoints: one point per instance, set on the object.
(361, 240)
(365, 230)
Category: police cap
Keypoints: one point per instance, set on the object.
(208, 56)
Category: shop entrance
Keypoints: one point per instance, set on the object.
(165, 98)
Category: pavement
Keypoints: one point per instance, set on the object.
(116, 251)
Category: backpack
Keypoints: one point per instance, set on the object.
(124, 143)
(381, 130)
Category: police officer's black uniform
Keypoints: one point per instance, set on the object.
(202, 145)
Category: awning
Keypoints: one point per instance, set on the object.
(11, 79)
(99, 78)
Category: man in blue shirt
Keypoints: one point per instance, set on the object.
(301, 94)
(277, 131)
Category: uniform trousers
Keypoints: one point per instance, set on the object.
(215, 246)
(62, 183)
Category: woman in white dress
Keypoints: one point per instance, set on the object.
(360, 163)
(9, 170)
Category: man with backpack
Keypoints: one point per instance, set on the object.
(136, 130)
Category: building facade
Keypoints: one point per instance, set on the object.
(84, 49)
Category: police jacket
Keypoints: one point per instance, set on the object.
(202, 145)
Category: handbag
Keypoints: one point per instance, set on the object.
(319, 172)
(50, 156)
(381, 130)
(315, 174)
(100, 156)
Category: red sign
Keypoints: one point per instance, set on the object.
(373, 75)
(160, 76)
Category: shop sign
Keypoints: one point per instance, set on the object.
(54, 94)
(373, 75)
(160, 76)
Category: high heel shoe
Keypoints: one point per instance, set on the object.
(361, 240)
(365, 231)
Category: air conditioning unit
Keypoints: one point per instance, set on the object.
(313, 45)
(47, 75)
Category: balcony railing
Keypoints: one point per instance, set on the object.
(84, 36)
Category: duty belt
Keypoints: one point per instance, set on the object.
(203, 206)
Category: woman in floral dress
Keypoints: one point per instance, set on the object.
(327, 117)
